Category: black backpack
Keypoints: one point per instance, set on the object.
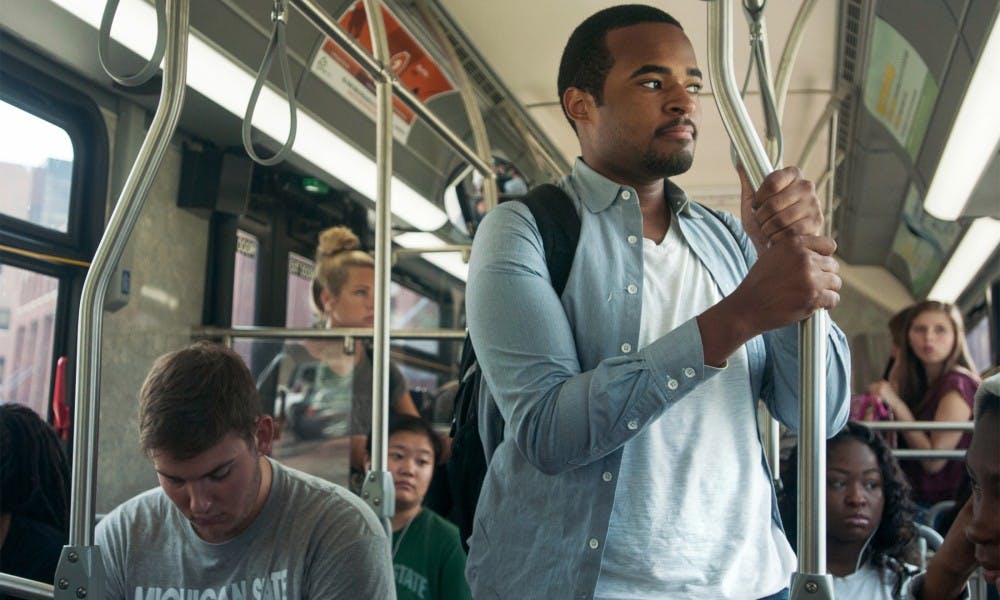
(559, 226)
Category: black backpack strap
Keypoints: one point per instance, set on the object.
(559, 225)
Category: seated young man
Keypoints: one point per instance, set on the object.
(227, 519)
(973, 541)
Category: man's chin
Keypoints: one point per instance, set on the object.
(669, 165)
(213, 533)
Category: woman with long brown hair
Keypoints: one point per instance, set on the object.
(934, 380)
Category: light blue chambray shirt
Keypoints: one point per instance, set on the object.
(572, 388)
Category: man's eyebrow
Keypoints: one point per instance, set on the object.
(208, 474)
(661, 70)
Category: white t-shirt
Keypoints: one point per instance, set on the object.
(867, 583)
(692, 514)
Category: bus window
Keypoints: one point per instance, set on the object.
(411, 310)
(36, 167)
(978, 338)
(28, 301)
(245, 288)
(298, 303)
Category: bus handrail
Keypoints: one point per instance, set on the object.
(332, 29)
(477, 125)
(919, 425)
(324, 334)
(80, 569)
(25, 588)
(911, 454)
(811, 575)
(377, 490)
(109, 252)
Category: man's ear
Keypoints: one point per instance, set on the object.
(264, 435)
(579, 105)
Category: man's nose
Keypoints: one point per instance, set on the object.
(984, 528)
(199, 499)
(681, 101)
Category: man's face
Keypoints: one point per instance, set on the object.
(983, 463)
(647, 125)
(219, 490)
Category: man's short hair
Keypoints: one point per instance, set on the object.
(586, 59)
(192, 398)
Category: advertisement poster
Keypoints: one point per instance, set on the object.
(923, 243)
(414, 67)
(899, 90)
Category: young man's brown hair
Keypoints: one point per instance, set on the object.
(192, 398)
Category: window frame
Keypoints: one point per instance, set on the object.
(58, 103)
(45, 90)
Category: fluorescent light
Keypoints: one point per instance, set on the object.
(978, 245)
(419, 240)
(451, 262)
(229, 84)
(973, 138)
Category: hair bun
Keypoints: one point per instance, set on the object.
(336, 239)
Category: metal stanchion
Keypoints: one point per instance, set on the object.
(80, 568)
(811, 581)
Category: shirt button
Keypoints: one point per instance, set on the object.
(689, 372)
(632, 239)
(626, 347)
(633, 425)
(626, 195)
(593, 543)
(607, 476)
(672, 384)
(632, 288)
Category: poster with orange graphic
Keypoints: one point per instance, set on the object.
(408, 59)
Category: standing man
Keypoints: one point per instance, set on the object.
(630, 465)
(227, 521)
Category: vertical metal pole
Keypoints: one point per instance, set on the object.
(770, 438)
(831, 169)
(378, 489)
(80, 563)
(811, 581)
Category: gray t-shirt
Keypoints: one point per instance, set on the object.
(312, 539)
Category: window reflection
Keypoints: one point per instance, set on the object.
(245, 288)
(298, 302)
(28, 303)
(36, 169)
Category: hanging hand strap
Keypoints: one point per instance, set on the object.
(772, 123)
(279, 16)
(104, 42)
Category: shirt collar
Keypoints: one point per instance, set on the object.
(597, 192)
